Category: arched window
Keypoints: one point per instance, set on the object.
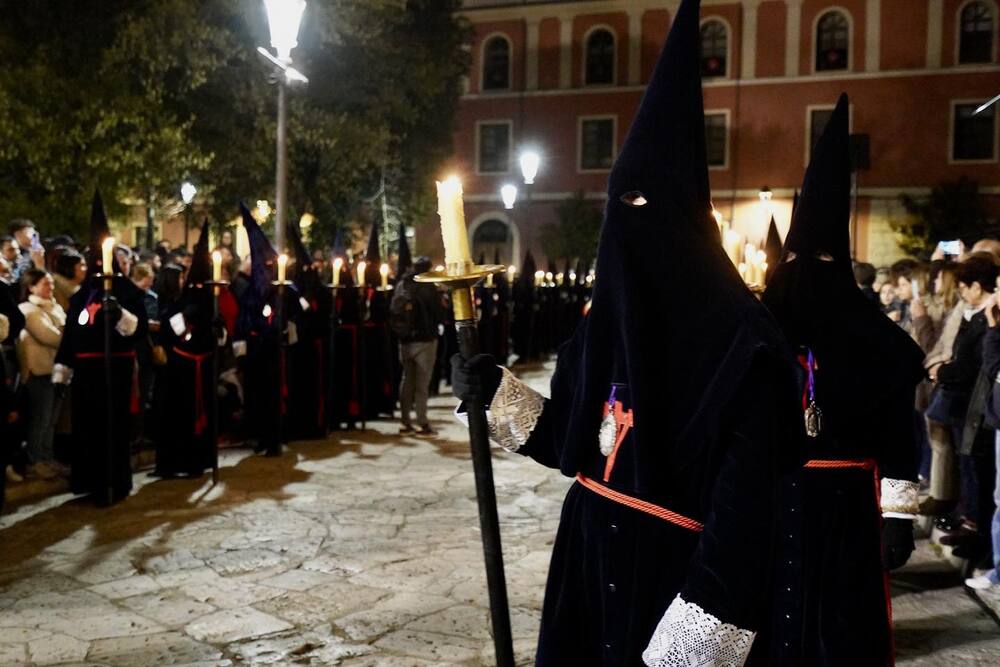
(976, 33)
(714, 48)
(600, 58)
(833, 39)
(496, 64)
(493, 237)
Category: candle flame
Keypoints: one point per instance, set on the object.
(338, 263)
(384, 269)
(108, 244)
(216, 256)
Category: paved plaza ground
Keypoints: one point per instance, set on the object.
(359, 551)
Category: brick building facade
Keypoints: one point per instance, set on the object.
(565, 77)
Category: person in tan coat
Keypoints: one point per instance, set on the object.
(44, 321)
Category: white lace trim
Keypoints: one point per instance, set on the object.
(513, 413)
(688, 636)
(127, 324)
(899, 496)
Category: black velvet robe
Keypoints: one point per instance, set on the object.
(94, 468)
(266, 375)
(379, 354)
(346, 389)
(185, 445)
(831, 592)
(615, 569)
(310, 363)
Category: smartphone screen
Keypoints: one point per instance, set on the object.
(950, 247)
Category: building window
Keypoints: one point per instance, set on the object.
(832, 41)
(494, 148)
(597, 143)
(818, 118)
(974, 136)
(600, 58)
(716, 136)
(496, 64)
(714, 48)
(976, 38)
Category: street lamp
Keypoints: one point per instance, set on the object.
(530, 161)
(188, 191)
(283, 19)
(508, 193)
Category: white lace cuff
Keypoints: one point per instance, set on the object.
(688, 636)
(899, 498)
(513, 413)
(127, 324)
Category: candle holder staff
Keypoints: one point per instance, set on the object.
(460, 276)
(217, 284)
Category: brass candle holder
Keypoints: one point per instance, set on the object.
(460, 278)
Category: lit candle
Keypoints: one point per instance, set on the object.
(338, 264)
(216, 266)
(453, 231)
(107, 250)
(282, 264)
(384, 272)
(732, 245)
(511, 272)
(742, 268)
(361, 273)
(489, 280)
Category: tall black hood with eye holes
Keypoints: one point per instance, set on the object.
(670, 319)
(863, 357)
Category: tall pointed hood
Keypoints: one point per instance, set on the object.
(648, 332)
(404, 260)
(664, 151)
(825, 201)
(864, 359)
(99, 231)
(262, 256)
(201, 260)
(772, 249)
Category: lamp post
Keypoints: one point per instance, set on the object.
(188, 191)
(283, 18)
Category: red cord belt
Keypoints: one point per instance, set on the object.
(641, 505)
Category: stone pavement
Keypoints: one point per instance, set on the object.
(360, 551)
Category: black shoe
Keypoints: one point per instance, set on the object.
(949, 524)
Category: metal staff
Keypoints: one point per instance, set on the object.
(108, 278)
(279, 315)
(217, 286)
(332, 421)
(460, 279)
(362, 359)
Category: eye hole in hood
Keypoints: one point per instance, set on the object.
(633, 198)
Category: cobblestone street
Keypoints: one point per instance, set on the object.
(362, 550)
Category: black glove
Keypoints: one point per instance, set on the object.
(476, 379)
(112, 310)
(897, 542)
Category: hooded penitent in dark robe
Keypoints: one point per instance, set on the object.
(309, 357)
(378, 348)
(187, 386)
(258, 339)
(347, 373)
(81, 359)
(525, 311)
(676, 428)
(772, 250)
(831, 606)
